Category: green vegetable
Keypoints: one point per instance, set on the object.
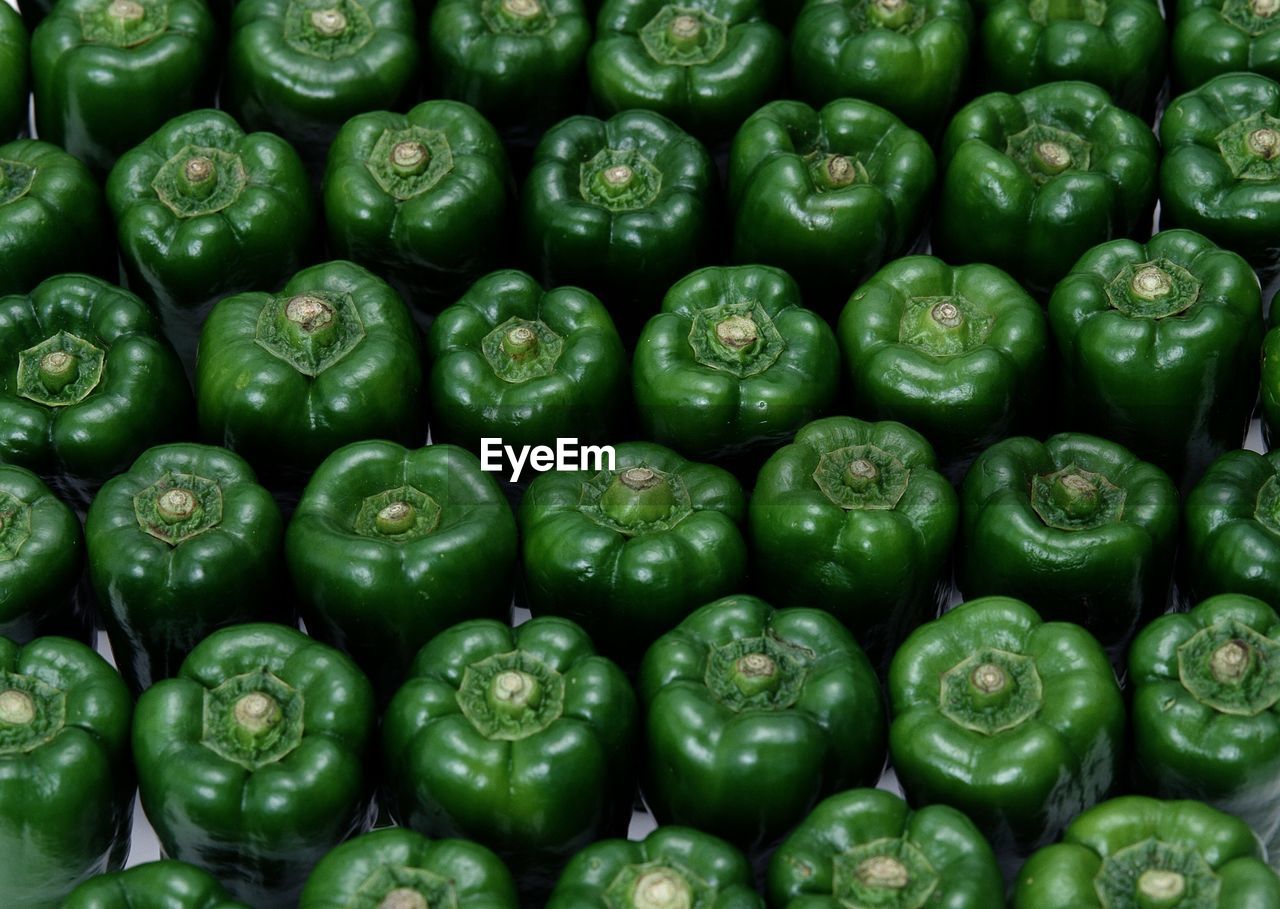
(826, 194)
(52, 219)
(1032, 181)
(753, 716)
(285, 379)
(734, 362)
(854, 518)
(1076, 525)
(384, 866)
(420, 197)
(1232, 536)
(527, 366)
(41, 559)
(1221, 169)
(866, 847)
(1271, 379)
(14, 52)
(389, 547)
(1143, 853)
(521, 739)
(621, 206)
(707, 65)
(958, 353)
(1205, 719)
(670, 868)
(164, 884)
(250, 761)
(66, 786)
(86, 383)
(1159, 346)
(109, 73)
(1214, 37)
(518, 62)
(203, 211)
(909, 56)
(302, 69)
(183, 543)
(629, 550)
(1118, 45)
(1025, 729)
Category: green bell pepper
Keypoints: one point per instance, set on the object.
(518, 738)
(753, 715)
(957, 353)
(629, 550)
(866, 847)
(1025, 730)
(52, 220)
(14, 53)
(164, 884)
(1159, 347)
(86, 383)
(670, 868)
(1215, 37)
(1143, 853)
(42, 556)
(183, 543)
(420, 197)
(854, 518)
(909, 57)
(109, 73)
(389, 547)
(1221, 170)
(66, 786)
(518, 62)
(1270, 396)
(1232, 530)
(251, 761)
(1076, 525)
(1206, 724)
(1118, 45)
(622, 207)
(400, 869)
(527, 366)
(733, 363)
(1032, 181)
(828, 195)
(203, 211)
(286, 379)
(302, 69)
(707, 65)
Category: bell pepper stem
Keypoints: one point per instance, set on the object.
(514, 692)
(1264, 9)
(661, 888)
(403, 898)
(257, 712)
(1160, 889)
(520, 342)
(126, 10)
(176, 505)
(1230, 662)
(16, 708)
(1265, 143)
(737, 332)
(58, 369)
(884, 872)
(638, 495)
(329, 23)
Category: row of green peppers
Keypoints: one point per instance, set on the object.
(303, 70)
(1006, 732)
(624, 207)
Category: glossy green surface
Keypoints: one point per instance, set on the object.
(811, 867)
(66, 786)
(1215, 37)
(14, 51)
(380, 596)
(1178, 390)
(1064, 876)
(957, 353)
(1023, 783)
(259, 827)
(828, 195)
(708, 392)
(911, 58)
(1035, 224)
(625, 575)
(104, 79)
(753, 715)
(164, 884)
(555, 775)
(444, 226)
(572, 384)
